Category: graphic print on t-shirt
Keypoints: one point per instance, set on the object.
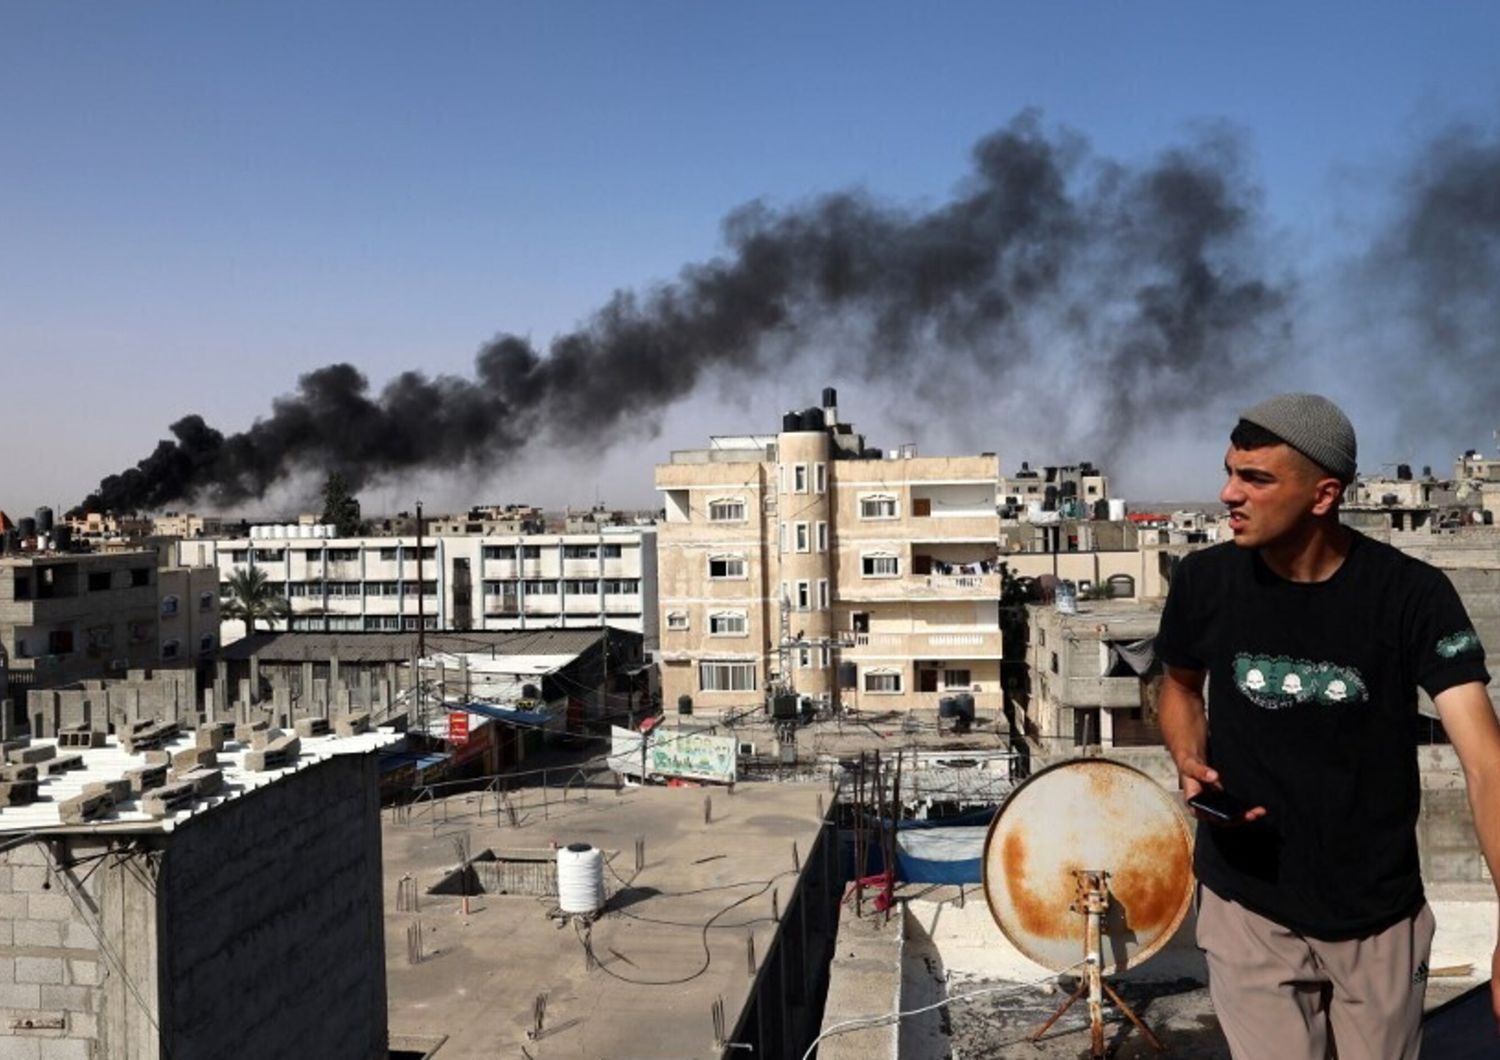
(1276, 682)
(1460, 643)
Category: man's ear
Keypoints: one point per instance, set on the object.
(1327, 493)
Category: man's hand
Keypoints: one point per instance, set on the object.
(1195, 776)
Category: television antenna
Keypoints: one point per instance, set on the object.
(1089, 856)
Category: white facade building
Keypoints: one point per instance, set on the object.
(526, 581)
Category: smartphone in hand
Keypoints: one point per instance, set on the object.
(1220, 805)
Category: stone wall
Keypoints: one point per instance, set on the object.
(273, 942)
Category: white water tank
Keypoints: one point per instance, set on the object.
(1033, 511)
(580, 878)
(1116, 510)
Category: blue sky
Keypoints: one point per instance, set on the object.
(198, 202)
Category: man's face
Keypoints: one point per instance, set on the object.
(1269, 492)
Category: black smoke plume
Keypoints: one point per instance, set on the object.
(1147, 275)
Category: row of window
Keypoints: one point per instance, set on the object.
(871, 505)
(170, 604)
(720, 623)
(804, 537)
(172, 649)
(731, 566)
(103, 580)
(800, 476)
(806, 595)
(354, 623)
(346, 589)
(569, 586)
(333, 555)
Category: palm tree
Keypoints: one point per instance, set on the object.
(249, 596)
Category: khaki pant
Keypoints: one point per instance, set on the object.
(1278, 994)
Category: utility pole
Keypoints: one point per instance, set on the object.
(421, 612)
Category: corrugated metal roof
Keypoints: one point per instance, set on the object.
(111, 761)
(400, 647)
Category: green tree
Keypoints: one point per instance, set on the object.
(250, 597)
(340, 507)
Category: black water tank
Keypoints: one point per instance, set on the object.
(26, 527)
(784, 706)
(684, 704)
(791, 421)
(62, 537)
(830, 397)
(530, 692)
(1049, 498)
(948, 707)
(1101, 509)
(44, 520)
(848, 675)
(1403, 472)
(1070, 488)
(965, 705)
(812, 420)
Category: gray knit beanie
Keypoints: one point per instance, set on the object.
(1312, 425)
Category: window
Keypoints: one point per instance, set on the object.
(206, 601)
(296, 589)
(956, 679)
(531, 551)
(880, 565)
(60, 642)
(168, 606)
(206, 642)
(803, 537)
(140, 576)
(239, 555)
(799, 478)
(822, 594)
(822, 537)
(98, 581)
(1054, 662)
(726, 676)
(726, 566)
(727, 624)
(610, 551)
(622, 586)
(820, 478)
(781, 537)
(580, 552)
(23, 586)
(343, 555)
(170, 649)
(727, 510)
(677, 620)
(270, 555)
(804, 596)
(883, 681)
(804, 658)
(877, 506)
(579, 587)
(541, 588)
(428, 588)
(498, 552)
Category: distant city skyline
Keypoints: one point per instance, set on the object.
(204, 204)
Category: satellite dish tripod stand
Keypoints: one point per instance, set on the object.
(1092, 901)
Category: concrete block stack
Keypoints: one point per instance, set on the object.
(272, 749)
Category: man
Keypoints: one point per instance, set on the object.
(1313, 639)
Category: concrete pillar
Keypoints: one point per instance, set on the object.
(318, 708)
(255, 675)
(210, 712)
(245, 697)
(307, 682)
(7, 720)
(334, 680)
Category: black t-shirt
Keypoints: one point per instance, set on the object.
(1312, 713)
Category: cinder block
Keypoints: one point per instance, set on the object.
(83, 1025)
(279, 755)
(310, 727)
(20, 995)
(80, 737)
(17, 1048)
(77, 936)
(85, 807)
(260, 739)
(117, 790)
(12, 906)
(65, 1049)
(245, 731)
(352, 724)
(168, 799)
(84, 973)
(31, 755)
(49, 906)
(26, 854)
(18, 773)
(204, 781)
(38, 933)
(63, 763)
(144, 778)
(194, 758)
(70, 998)
(152, 737)
(28, 878)
(17, 792)
(41, 970)
(210, 738)
(158, 758)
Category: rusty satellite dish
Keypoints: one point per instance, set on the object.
(1088, 815)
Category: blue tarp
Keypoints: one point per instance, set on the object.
(515, 717)
(940, 855)
(419, 759)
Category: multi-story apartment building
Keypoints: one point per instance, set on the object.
(186, 524)
(804, 555)
(488, 520)
(464, 581)
(68, 617)
(187, 615)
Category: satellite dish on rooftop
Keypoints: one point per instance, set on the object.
(1089, 860)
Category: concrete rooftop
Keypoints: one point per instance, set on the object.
(671, 942)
